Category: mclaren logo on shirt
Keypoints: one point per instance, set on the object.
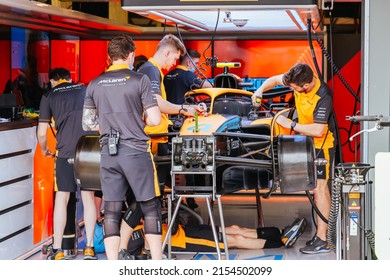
(113, 82)
(172, 76)
(66, 88)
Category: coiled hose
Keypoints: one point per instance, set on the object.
(371, 241)
(335, 199)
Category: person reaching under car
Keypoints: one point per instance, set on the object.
(199, 238)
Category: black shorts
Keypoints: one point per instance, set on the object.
(325, 171)
(98, 194)
(201, 239)
(65, 180)
(163, 171)
(129, 167)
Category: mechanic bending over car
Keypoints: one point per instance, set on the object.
(313, 102)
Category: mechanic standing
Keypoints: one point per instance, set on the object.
(168, 51)
(183, 78)
(118, 103)
(64, 103)
(179, 81)
(313, 101)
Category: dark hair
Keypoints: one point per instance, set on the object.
(59, 73)
(120, 46)
(299, 74)
(190, 53)
(173, 42)
(138, 61)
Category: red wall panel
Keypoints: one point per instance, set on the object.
(146, 48)
(5, 65)
(264, 58)
(344, 104)
(93, 59)
(65, 53)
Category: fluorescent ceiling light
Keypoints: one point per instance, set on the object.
(260, 20)
(244, 15)
(297, 18)
(176, 19)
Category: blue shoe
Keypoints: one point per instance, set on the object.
(293, 232)
(316, 246)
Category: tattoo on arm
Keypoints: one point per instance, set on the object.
(90, 120)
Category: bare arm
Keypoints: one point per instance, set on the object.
(153, 116)
(167, 107)
(314, 129)
(268, 84)
(90, 120)
(42, 139)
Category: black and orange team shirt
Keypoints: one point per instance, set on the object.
(316, 106)
(64, 103)
(121, 96)
(178, 81)
(153, 71)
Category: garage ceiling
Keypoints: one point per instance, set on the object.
(271, 18)
(229, 16)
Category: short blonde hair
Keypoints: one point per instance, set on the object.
(173, 42)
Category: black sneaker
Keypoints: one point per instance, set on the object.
(56, 255)
(293, 232)
(149, 254)
(125, 255)
(316, 246)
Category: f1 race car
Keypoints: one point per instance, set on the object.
(232, 147)
(245, 148)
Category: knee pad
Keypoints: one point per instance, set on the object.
(269, 233)
(112, 218)
(152, 216)
(133, 215)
